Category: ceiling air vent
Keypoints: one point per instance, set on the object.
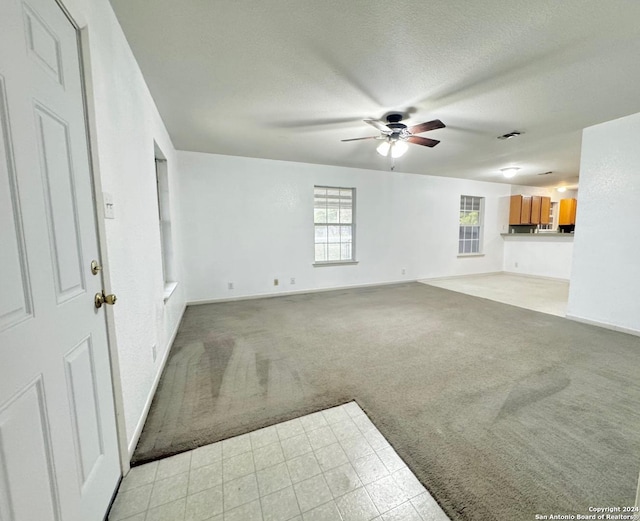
(515, 133)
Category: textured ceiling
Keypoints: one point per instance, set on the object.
(288, 79)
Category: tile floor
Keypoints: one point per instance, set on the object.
(536, 293)
(333, 465)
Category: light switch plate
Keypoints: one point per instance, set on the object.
(109, 212)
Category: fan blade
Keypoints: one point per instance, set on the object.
(378, 124)
(359, 138)
(424, 127)
(423, 141)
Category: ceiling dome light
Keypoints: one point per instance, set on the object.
(383, 148)
(399, 148)
(509, 172)
(562, 189)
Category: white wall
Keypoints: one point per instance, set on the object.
(541, 256)
(545, 192)
(605, 281)
(125, 124)
(248, 221)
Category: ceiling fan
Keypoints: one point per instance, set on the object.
(395, 135)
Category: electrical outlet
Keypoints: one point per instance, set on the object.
(276, 282)
(516, 264)
(154, 352)
(230, 285)
(404, 271)
(293, 280)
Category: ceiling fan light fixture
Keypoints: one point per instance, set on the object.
(396, 136)
(510, 171)
(383, 148)
(399, 148)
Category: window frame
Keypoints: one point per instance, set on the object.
(480, 227)
(352, 225)
(167, 257)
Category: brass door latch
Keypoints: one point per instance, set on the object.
(95, 267)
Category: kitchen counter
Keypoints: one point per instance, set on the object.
(538, 236)
(539, 254)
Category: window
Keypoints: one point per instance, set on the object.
(164, 216)
(333, 211)
(470, 235)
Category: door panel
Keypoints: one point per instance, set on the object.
(14, 276)
(82, 383)
(58, 440)
(43, 44)
(23, 423)
(60, 199)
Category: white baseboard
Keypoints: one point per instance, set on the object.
(297, 292)
(154, 387)
(465, 276)
(489, 273)
(530, 276)
(605, 325)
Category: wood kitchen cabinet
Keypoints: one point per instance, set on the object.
(567, 212)
(525, 209)
(536, 204)
(515, 209)
(545, 210)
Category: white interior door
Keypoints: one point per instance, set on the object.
(58, 445)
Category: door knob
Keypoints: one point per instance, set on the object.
(101, 298)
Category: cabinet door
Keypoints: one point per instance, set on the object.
(567, 213)
(545, 210)
(536, 204)
(525, 214)
(515, 209)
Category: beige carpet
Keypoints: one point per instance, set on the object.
(501, 412)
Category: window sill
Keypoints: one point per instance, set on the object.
(460, 255)
(169, 288)
(334, 263)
